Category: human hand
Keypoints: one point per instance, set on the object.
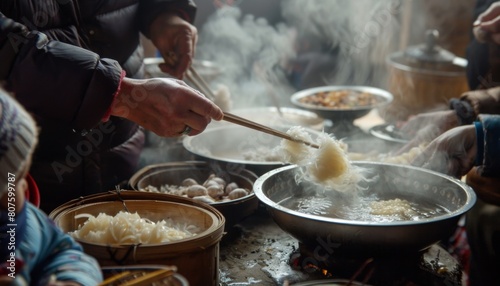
(452, 153)
(425, 127)
(176, 40)
(164, 106)
(487, 25)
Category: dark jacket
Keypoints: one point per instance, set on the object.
(483, 58)
(69, 90)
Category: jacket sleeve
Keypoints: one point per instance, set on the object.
(488, 142)
(54, 252)
(150, 9)
(54, 80)
(484, 101)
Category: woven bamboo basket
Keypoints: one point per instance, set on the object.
(196, 258)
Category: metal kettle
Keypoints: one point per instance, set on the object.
(423, 78)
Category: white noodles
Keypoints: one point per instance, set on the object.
(397, 208)
(223, 97)
(130, 228)
(328, 166)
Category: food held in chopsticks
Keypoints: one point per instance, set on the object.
(328, 165)
(222, 97)
(130, 228)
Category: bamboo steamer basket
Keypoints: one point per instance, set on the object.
(423, 78)
(196, 258)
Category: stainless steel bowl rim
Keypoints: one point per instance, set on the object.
(471, 199)
(200, 164)
(186, 142)
(373, 90)
(392, 61)
(377, 131)
(290, 110)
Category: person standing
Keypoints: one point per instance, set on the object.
(76, 66)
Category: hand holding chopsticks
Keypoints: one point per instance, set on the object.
(203, 86)
(256, 126)
(194, 77)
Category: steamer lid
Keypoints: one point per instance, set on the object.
(430, 51)
(429, 58)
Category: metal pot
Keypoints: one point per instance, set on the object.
(279, 191)
(225, 146)
(423, 78)
(283, 116)
(173, 173)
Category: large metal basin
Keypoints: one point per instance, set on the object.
(226, 146)
(358, 237)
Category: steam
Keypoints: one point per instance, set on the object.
(250, 52)
(323, 37)
(358, 35)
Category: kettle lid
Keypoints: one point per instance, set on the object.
(430, 51)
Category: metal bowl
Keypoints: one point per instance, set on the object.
(207, 69)
(278, 188)
(173, 173)
(341, 114)
(288, 116)
(226, 146)
(389, 133)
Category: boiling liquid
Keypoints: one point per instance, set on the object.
(359, 208)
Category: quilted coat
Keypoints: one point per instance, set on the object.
(64, 61)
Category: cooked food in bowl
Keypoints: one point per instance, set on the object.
(130, 228)
(319, 220)
(367, 208)
(339, 103)
(229, 190)
(342, 99)
(213, 189)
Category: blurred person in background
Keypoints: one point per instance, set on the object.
(474, 150)
(33, 250)
(483, 75)
(77, 67)
(465, 140)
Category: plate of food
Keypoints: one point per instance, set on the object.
(341, 103)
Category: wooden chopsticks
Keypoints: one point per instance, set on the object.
(194, 77)
(149, 278)
(256, 126)
(130, 278)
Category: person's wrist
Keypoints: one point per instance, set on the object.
(464, 111)
(109, 111)
(124, 99)
(480, 142)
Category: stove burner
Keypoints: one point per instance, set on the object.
(434, 267)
